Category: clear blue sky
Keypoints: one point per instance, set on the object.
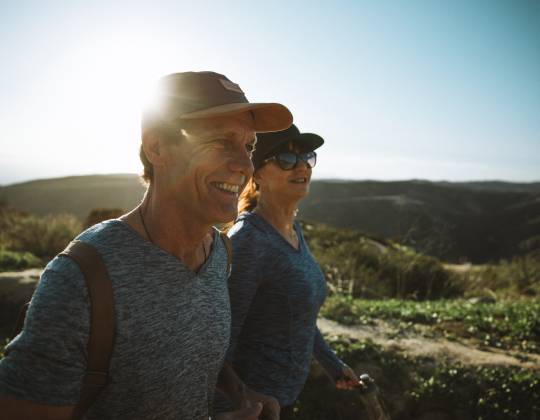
(438, 90)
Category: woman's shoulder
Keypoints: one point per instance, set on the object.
(248, 226)
(245, 223)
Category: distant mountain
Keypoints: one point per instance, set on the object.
(474, 221)
(75, 194)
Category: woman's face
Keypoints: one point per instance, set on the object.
(287, 184)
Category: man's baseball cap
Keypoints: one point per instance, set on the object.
(197, 95)
(269, 144)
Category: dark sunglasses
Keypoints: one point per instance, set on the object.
(288, 160)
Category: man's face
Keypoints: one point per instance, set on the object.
(209, 167)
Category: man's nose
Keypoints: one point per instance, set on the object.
(241, 162)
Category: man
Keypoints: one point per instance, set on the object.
(168, 267)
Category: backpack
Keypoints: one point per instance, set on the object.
(102, 318)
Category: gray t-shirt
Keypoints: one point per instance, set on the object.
(172, 331)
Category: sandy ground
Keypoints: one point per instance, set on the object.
(420, 346)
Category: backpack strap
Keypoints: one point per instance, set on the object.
(102, 321)
(228, 246)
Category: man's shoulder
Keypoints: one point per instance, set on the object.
(102, 236)
(104, 232)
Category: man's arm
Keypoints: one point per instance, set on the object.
(41, 374)
(14, 409)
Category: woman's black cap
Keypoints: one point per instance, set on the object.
(270, 143)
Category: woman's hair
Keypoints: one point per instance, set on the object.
(246, 202)
(249, 197)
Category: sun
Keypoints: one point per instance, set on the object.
(102, 89)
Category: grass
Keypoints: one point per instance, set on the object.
(512, 325)
(412, 388)
(14, 260)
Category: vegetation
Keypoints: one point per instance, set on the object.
(98, 215)
(414, 387)
(29, 240)
(517, 277)
(507, 324)
(13, 260)
(476, 222)
(42, 236)
(3, 345)
(76, 195)
(372, 280)
(363, 267)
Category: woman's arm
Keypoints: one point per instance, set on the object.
(244, 282)
(343, 375)
(326, 356)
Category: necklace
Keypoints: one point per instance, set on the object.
(144, 225)
(150, 238)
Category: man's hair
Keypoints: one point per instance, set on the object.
(171, 133)
(148, 169)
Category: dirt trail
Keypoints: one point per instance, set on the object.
(417, 345)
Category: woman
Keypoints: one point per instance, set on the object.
(276, 286)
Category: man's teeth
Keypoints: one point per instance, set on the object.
(299, 180)
(228, 187)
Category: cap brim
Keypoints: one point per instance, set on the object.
(310, 140)
(268, 117)
(307, 141)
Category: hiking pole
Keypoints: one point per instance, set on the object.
(369, 394)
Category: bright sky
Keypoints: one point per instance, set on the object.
(438, 90)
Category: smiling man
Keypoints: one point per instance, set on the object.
(168, 268)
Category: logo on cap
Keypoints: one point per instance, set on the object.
(227, 84)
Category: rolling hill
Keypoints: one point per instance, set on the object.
(475, 221)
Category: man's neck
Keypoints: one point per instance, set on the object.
(175, 230)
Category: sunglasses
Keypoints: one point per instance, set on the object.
(288, 160)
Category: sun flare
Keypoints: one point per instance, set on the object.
(103, 89)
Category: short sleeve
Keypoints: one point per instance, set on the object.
(45, 363)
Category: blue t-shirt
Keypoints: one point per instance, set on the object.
(172, 332)
(276, 292)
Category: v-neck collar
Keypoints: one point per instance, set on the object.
(199, 273)
(261, 223)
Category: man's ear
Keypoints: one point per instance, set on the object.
(152, 146)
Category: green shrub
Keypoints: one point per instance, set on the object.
(505, 324)
(361, 266)
(3, 344)
(414, 387)
(505, 279)
(43, 236)
(101, 214)
(13, 260)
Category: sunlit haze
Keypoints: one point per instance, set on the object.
(399, 90)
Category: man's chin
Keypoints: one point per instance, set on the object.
(226, 215)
